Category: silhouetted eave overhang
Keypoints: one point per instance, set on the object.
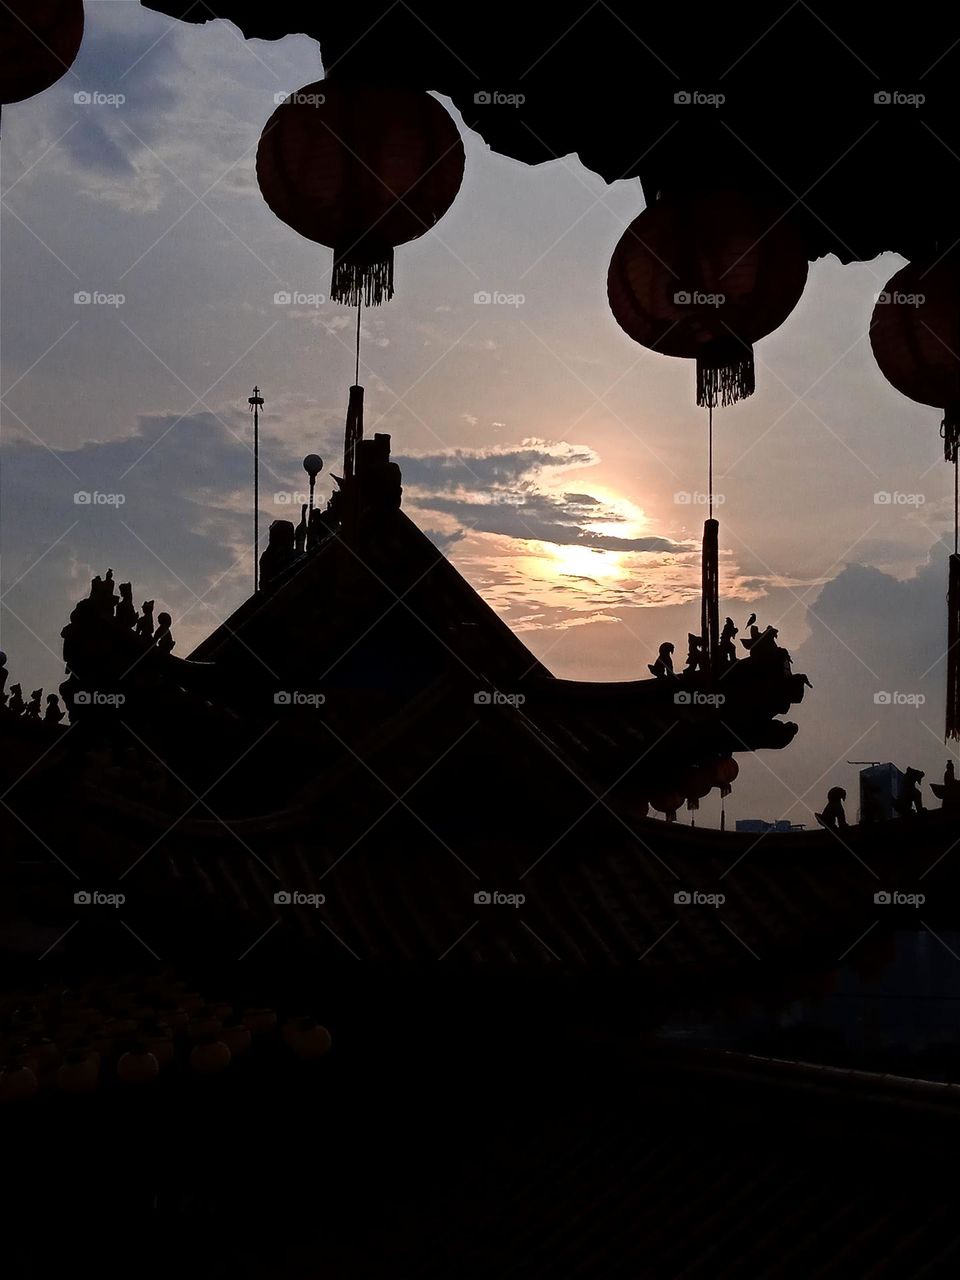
(799, 113)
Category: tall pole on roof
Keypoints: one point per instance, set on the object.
(256, 404)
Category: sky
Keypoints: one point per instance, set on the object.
(559, 465)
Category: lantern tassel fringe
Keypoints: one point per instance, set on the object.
(369, 282)
(725, 383)
(952, 727)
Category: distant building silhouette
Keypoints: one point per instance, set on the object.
(757, 826)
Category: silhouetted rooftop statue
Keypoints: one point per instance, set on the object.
(16, 706)
(728, 652)
(760, 642)
(324, 522)
(280, 551)
(163, 639)
(145, 621)
(833, 817)
(53, 713)
(949, 792)
(694, 653)
(381, 485)
(663, 667)
(910, 799)
(126, 613)
(101, 594)
(33, 708)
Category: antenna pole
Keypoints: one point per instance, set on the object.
(256, 404)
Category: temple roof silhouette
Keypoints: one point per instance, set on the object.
(366, 731)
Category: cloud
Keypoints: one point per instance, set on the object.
(543, 518)
(870, 634)
(168, 509)
(444, 541)
(505, 490)
(502, 466)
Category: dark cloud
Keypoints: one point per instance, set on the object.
(473, 469)
(444, 541)
(515, 504)
(541, 517)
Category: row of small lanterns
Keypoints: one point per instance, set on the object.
(694, 785)
(75, 1043)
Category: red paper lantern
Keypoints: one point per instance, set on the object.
(698, 784)
(667, 801)
(915, 336)
(39, 39)
(725, 772)
(361, 170)
(705, 276)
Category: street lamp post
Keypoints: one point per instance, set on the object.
(256, 404)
